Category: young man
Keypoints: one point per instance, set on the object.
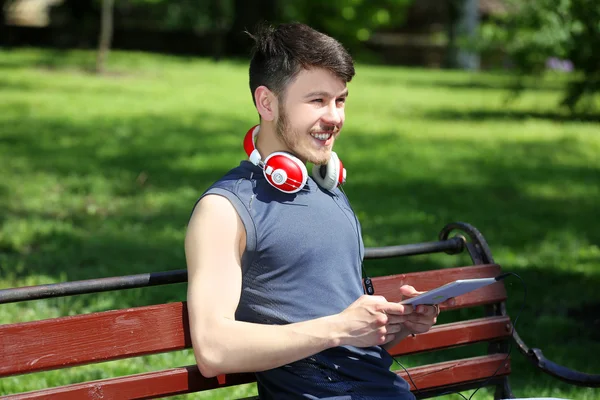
(275, 273)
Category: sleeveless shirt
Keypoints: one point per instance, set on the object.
(303, 261)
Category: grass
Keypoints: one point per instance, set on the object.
(99, 175)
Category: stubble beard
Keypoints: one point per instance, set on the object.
(291, 139)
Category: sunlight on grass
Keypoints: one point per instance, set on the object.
(99, 176)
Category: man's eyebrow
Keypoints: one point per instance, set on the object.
(325, 94)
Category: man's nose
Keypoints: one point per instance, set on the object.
(333, 115)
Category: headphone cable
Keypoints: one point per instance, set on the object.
(510, 346)
(370, 290)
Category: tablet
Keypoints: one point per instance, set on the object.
(452, 289)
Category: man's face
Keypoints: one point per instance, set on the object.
(311, 114)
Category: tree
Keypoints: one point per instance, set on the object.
(463, 21)
(3, 4)
(545, 35)
(106, 34)
(352, 22)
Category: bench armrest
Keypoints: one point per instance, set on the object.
(536, 357)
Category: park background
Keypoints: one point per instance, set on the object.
(116, 116)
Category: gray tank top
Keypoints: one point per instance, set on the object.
(303, 261)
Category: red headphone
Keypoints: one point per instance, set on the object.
(287, 173)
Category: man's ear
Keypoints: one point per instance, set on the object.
(266, 103)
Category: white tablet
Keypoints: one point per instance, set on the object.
(452, 289)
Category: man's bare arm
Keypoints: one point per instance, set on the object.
(214, 245)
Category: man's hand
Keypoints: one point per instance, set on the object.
(424, 316)
(370, 321)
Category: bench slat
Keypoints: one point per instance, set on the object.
(387, 286)
(188, 379)
(167, 382)
(82, 339)
(469, 370)
(111, 335)
(455, 334)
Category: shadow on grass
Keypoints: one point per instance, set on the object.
(512, 115)
(137, 160)
(498, 83)
(489, 81)
(125, 189)
(155, 167)
(501, 191)
(16, 86)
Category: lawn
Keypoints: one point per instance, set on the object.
(99, 175)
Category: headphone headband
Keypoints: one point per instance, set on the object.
(287, 173)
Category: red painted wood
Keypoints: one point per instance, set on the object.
(388, 286)
(455, 334)
(84, 339)
(188, 379)
(168, 382)
(458, 371)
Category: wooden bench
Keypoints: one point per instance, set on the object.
(102, 336)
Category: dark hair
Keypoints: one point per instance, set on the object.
(281, 52)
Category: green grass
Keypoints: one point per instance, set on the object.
(99, 175)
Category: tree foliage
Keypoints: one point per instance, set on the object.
(223, 21)
(544, 35)
(351, 21)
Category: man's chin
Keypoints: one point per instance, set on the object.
(320, 159)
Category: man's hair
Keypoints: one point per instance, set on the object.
(281, 52)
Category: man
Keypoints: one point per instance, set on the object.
(275, 275)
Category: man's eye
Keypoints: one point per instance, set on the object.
(341, 100)
(318, 101)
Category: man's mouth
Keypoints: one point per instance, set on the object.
(321, 136)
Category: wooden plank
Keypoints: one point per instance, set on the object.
(188, 379)
(388, 286)
(83, 339)
(89, 338)
(455, 334)
(149, 385)
(457, 371)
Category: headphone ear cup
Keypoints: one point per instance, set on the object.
(285, 172)
(330, 175)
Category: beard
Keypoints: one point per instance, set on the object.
(292, 139)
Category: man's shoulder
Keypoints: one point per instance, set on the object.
(237, 180)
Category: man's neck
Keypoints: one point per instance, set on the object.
(268, 141)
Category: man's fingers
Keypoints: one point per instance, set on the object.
(396, 319)
(396, 309)
(393, 328)
(408, 291)
(427, 311)
(421, 319)
(389, 338)
(451, 302)
(416, 327)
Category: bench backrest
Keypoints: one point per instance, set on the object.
(103, 336)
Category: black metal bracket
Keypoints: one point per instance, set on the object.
(573, 377)
(481, 254)
(477, 246)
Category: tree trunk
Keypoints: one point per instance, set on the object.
(3, 3)
(3, 31)
(219, 28)
(106, 33)
(463, 22)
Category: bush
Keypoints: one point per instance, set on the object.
(545, 35)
